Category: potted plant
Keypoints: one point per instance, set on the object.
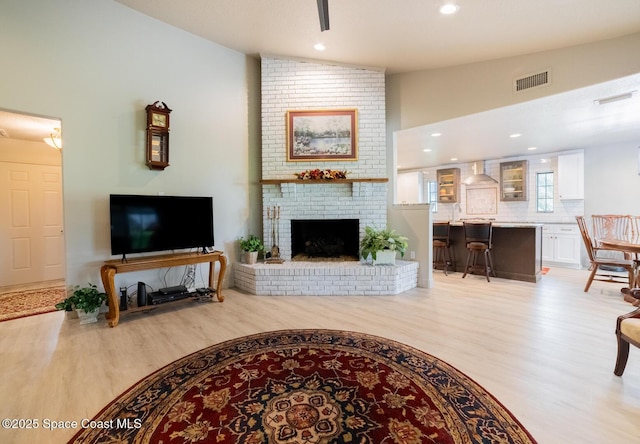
(251, 246)
(382, 245)
(68, 306)
(87, 302)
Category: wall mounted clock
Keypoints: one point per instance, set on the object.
(158, 135)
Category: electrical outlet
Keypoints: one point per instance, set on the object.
(412, 254)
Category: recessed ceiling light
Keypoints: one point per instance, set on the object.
(513, 136)
(436, 134)
(427, 150)
(454, 158)
(448, 9)
(532, 148)
(319, 47)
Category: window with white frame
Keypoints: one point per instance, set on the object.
(544, 192)
(432, 195)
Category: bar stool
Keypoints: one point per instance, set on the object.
(477, 237)
(442, 246)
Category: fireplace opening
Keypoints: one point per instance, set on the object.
(324, 239)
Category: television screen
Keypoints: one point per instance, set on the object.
(158, 223)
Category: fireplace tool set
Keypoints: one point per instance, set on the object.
(273, 214)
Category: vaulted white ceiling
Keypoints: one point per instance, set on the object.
(398, 35)
(410, 35)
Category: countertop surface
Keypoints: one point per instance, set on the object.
(502, 223)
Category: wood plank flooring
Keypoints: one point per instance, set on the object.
(545, 350)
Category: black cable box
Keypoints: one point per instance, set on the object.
(155, 297)
(173, 290)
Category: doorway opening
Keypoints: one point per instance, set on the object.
(31, 195)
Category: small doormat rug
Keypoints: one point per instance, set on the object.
(307, 387)
(19, 304)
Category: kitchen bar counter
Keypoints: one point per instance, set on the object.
(517, 250)
(505, 224)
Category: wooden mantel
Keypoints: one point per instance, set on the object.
(322, 181)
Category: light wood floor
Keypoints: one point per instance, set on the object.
(545, 350)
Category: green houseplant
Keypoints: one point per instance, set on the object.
(251, 246)
(251, 243)
(379, 240)
(87, 302)
(67, 304)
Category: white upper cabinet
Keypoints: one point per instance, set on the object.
(571, 176)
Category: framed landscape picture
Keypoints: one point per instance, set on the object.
(322, 135)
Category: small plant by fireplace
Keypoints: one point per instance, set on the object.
(375, 241)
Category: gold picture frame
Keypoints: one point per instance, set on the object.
(322, 135)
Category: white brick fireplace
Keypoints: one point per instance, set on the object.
(289, 85)
(294, 85)
(364, 201)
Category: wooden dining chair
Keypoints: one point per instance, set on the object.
(616, 226)
(611, 226)
(604, 268)
(627, 332)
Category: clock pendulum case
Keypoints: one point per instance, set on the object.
(157, 135)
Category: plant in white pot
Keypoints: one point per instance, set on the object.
(68, 306)
(87, 302)
(251, 246)
(382, 245)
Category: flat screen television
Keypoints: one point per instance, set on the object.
(141, 224)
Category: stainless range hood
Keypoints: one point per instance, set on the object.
(479, 177)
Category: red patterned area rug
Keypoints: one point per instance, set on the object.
(19, 304)
(307, 387)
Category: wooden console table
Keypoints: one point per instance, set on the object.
(112, 267)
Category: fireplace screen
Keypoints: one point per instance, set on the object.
(335, 239)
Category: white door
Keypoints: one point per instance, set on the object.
(31, 236)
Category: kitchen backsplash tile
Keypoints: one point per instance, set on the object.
(565, 211)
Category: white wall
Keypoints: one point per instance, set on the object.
(96, 65)
(22, 151)
(423, 97)
(414, 221)
(612, 179)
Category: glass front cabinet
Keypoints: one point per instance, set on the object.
(448, 184)
(513, 181)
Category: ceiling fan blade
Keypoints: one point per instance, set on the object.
(323, 12)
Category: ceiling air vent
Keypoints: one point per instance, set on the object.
(529, 81)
